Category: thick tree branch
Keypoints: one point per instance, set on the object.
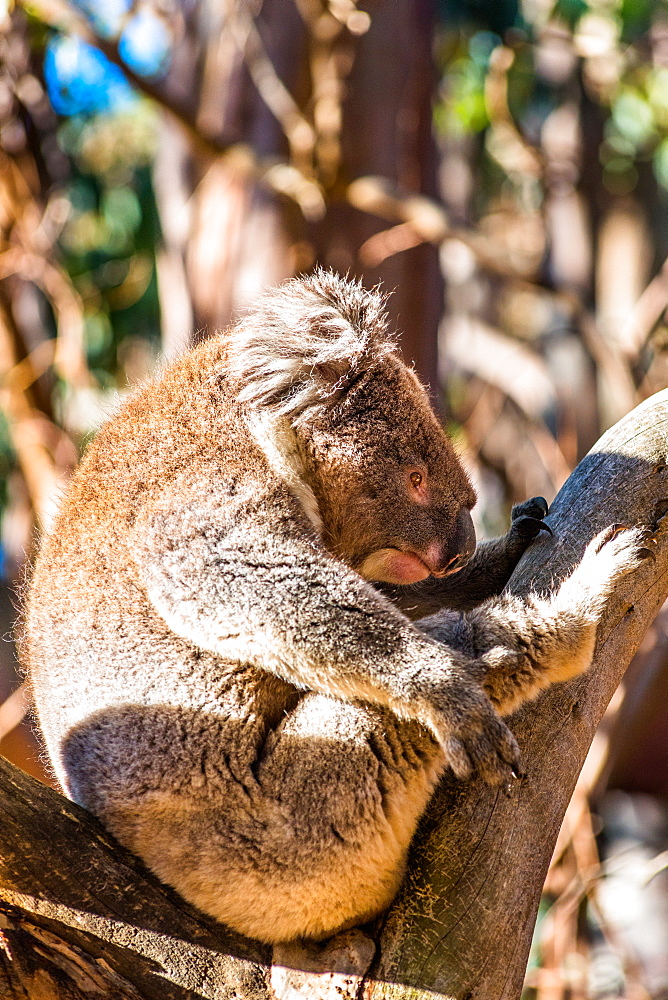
(79, 917)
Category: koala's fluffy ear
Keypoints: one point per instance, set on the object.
(300, 346)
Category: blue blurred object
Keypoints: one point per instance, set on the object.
(81, 80)
(145, 45)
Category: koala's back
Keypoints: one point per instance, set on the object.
(93, 639)
(187, 417)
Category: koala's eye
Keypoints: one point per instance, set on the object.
(416, 486)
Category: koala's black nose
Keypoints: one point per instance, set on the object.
(455, 552)
(463, 543)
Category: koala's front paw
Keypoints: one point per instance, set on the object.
(472, 735)
(536, 508)
(527, 522)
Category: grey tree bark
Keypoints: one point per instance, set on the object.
(80, 917)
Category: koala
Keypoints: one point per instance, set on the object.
(259, 630)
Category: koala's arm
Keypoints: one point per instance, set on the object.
(263, 590)
(518, 646)
(485, 574)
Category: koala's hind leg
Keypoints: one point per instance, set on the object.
(305, 837)
(520, 645)
(347, 784)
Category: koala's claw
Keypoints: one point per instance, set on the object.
(535, 507)
(530, 527)
(526, 521)
(607, 535)
(650, 539)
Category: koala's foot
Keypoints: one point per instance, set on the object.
(612, 554)
(331, 970)
(471, 734)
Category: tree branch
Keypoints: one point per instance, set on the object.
(274, 173)
(80, 917)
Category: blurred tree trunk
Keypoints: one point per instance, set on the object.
(346, 102)
(81, 918)
(387, 131)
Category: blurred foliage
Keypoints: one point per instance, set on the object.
(109, 136)
(620, 50)
(109, 239)
(77, 193)
(80, 80)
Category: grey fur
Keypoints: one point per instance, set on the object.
(215, 678)
(298, 348)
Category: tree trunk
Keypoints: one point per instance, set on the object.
(80, 917)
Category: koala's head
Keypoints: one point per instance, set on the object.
(392, 496)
